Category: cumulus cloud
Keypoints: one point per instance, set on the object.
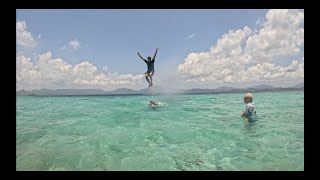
(72, 45)
(246, 55)
(23, 37)
(281, 35)
(53, 73)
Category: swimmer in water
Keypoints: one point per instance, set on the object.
(153, 103)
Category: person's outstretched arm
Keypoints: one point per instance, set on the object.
(141, 57)
(154, 57)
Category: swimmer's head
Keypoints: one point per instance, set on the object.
(153, 103)
(248, 98)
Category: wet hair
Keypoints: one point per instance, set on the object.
(153, 102)
(149, 58)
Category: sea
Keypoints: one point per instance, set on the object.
(193, 132)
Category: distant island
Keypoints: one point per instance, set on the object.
(155, 90)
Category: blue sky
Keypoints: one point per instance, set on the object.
(109, 39)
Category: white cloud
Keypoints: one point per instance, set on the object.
(246, 55)
(267, 71)
(281, 35)
(24, 38)
(72, 45)
(191, 36)
(48, 72)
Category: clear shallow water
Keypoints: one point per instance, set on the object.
(186, 132)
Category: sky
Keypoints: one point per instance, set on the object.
(91, 48)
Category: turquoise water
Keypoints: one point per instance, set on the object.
(186, 132)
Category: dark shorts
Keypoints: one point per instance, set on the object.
(148, 72)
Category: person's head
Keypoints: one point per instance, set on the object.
(247, 98)
(153, 102)
(149, 58)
